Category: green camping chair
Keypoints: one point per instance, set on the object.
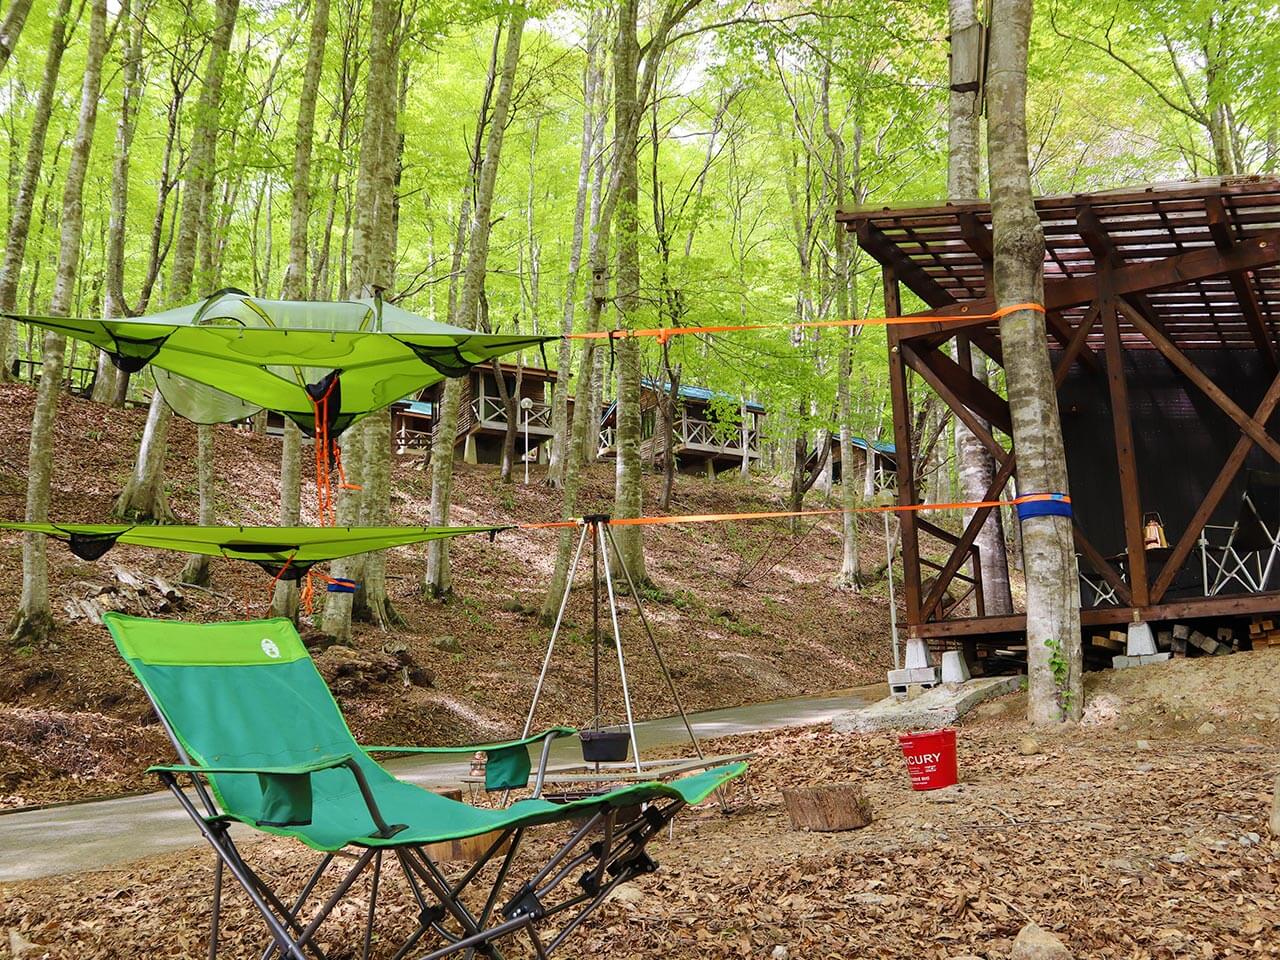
(262, 742)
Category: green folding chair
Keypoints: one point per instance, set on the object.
(262, 742)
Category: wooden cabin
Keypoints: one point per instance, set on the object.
(703, 442)
(1162, 307)
(482, 418)
(882, 459)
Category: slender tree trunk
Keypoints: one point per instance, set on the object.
(20, 219)
(11, 28)
(1053, 593)
(372, 267)
(560, 398)
(284, 601)
(110, 384)
(33, 619)
(437, 583)
(143, 495)
(974, 463)
(197, 568)
(628, 498)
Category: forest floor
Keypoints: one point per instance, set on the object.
(1141, 833)
(744, 612)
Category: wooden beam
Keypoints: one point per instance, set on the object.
(977, 426)
(1220, 230)
(1257, 433)
(1100, 564)
(901, 402)
(973, 393)
(1234, 606)
(1187, 541)
(1184, 268)
(970, 534)
(905, 270)
(1107, 257)
(1126, 458)
(1077, 343)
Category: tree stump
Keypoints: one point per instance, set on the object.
(827, 807)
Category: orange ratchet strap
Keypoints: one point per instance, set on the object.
(780, 514)
(666, 333)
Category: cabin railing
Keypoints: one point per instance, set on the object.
(489, 410)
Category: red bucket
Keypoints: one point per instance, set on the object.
(931, 758)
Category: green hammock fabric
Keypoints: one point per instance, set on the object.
(246, 697)
(233, 354)
(273, 548)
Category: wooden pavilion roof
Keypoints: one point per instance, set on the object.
(1199, 258)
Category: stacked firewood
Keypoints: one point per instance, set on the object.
(1264, 631)
(126, 591)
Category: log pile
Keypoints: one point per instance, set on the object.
(1182, 640)
(127, 592)
(1264, 632)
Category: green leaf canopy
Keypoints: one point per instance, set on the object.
(234, 354)
(292, 550)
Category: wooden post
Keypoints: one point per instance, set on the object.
(909, 539)
(1130, 494)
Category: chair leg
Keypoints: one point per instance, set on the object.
(291, 913)
(216, 908)
(373, 905)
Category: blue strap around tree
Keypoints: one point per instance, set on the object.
(1043, 505)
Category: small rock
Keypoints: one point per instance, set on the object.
(1028, 746)
(1219, 845)
(1206, 729)
(447, 644)
(1247, 839)
(1180, 856)
(1034, 943)
(780, 953)
(626, 893)
(1143, 767)
(1143, 744)
(870, 899)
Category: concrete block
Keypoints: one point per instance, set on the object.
(954, 667)
(1141, 641)
(934, 708)
(1121, 662)
(917, 654)
(1149, 658)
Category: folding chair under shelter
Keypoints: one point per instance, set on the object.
(262, 742)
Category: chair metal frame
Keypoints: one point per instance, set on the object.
(1250, 568)
(617, 856)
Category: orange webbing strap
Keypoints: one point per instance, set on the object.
(325, 513)
(342, 476)
(666, 333)
(780, 514)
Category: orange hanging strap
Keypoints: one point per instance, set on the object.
(342, 477)
(666, 333)
(325, 512)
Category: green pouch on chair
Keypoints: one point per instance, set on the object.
(286, 799)
(507, 768)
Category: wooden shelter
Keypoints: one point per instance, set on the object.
(1162, 323)
(482, 417)
(702, 441)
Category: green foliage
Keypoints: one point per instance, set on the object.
(1060, 670)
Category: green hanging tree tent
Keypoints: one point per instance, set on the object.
(234, 354)
(286, 552)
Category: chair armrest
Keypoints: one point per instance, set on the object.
(508, 764)
(314, 766)
(294, 772)
(551, 732)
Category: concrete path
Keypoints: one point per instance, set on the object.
(74, 838)
(938, 707)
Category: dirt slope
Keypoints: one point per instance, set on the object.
(73, 723)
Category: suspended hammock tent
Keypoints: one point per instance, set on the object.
(284, 552)
(234, 354)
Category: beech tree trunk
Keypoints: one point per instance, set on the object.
(975, 466)
(1053, 592)
(24, 200)
(628, 500)
(284, 601)
(371, 269)
(110, 384)
(11, 28)
(197, 567)
(33, 619)
(560, 439)
(437, 582)
(143, 495)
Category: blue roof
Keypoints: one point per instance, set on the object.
(886, 448)
(701, 393)
(421, 407)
